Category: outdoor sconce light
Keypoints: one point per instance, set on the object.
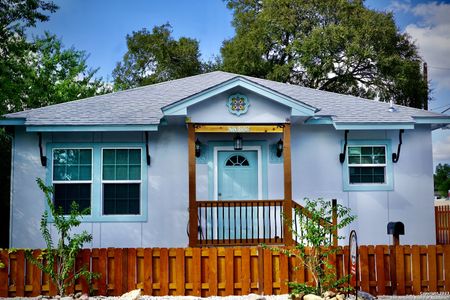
(198, 148)
(238, 142)
(279, 148)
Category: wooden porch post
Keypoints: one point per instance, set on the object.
(287, 203)
(193, 218)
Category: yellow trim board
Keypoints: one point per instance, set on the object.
(239, 128)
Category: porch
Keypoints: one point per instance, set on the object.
(248, 222)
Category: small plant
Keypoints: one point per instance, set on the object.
(315, 245)
(59, 262)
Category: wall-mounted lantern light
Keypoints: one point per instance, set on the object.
(198, 148)
(238, 142)
(279, 148)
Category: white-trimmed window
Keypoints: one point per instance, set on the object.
(121, 181)
(72, 178)
(368, 166)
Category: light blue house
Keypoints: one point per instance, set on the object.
(217, 158)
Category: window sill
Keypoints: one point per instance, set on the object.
(368, 187)
(109, 219)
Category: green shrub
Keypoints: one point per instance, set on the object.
(315, 237)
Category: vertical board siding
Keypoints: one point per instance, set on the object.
(230, 271)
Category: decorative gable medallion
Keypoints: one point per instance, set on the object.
(238, 104)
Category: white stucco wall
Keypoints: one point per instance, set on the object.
(316, 172)
(167, 192)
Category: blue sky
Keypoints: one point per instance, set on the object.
(99, 27)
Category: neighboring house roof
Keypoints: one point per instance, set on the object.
(143, 105)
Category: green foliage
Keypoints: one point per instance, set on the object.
(155, 56)
(315, 245)
(442, 179)
(45, 74)
(34, 74)
(340, 46)
(19, 14)
(15, 17)
(39, 72)
(12, 250)
(58, 261)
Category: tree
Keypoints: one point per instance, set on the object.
(58, 261)
(15, 17)
(314, 246)
(156, 56)
(340, 46)
(34, 74)
(442, 179)
(48, 74)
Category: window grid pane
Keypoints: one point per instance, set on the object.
(121, 164)
(65, 194)
(121, 198)
(72, 164)
(367, 175)
(366, 155)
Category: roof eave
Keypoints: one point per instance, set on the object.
(180, 107)
(92, 128)
(12, 121)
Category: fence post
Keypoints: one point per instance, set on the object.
(393, 268)
(260, 270)
(436, 223)
(334, 222)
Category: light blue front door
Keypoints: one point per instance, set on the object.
(237, 180)
(237, 175)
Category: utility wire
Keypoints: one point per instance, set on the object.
(445, 105)
(440, 68)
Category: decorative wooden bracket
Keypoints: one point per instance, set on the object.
(344, 151)
(41, 152)
(396, 156)
(147, 155)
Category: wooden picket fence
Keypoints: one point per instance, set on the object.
(230, 271)
(442, 219)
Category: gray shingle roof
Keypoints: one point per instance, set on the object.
(142, 106)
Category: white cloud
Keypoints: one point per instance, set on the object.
(400, 6)
(433, 13)
(431, 32)
(441, 149)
